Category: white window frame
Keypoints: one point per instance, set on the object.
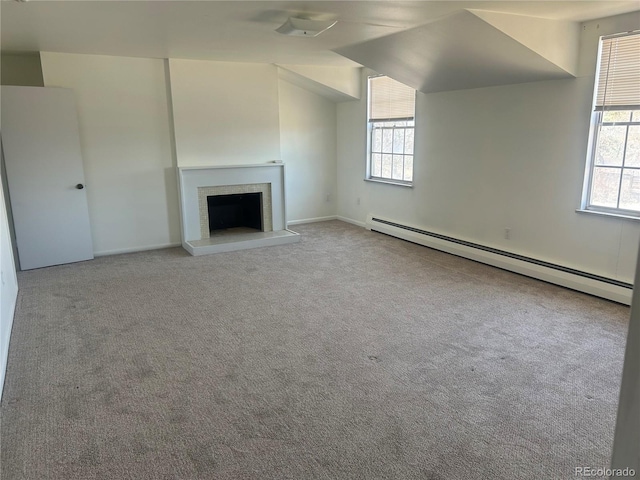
(596, 124)
(370, 130)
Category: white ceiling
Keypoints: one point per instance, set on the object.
(241, 30)
(465, 52)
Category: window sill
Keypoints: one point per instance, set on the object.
(609, 214)
(389, 182)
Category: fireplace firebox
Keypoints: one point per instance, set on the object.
(235, 211)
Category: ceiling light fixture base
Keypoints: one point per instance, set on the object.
(305, 27)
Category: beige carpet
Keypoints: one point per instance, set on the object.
(351, 355)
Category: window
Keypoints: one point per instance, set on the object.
(390, 139)
(613, 183)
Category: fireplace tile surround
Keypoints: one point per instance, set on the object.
(196, 183)
(204, 192)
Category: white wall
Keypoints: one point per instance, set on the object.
(500, 157)
(8, 280)
(626, 444)
(224, 113)
(308, 146)
(8, 287)
(125, 137)
(240, 113)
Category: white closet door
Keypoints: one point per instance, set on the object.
(44, 169)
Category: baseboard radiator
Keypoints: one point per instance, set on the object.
(549, 272)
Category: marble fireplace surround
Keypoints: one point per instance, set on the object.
(197, 182)
(262, 188)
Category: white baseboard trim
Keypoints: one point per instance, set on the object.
(118, 251)
(586, 282)
(312, 220)
(352, 221)
(4, 355)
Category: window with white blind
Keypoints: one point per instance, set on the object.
(390, 127)
(613, 176)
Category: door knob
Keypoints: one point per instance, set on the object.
(79, 186)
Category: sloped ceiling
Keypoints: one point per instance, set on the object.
(555, 40)
(466, 50)
(338, 84)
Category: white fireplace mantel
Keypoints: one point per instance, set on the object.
(190, 179)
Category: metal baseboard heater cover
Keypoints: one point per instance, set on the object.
(586, 282)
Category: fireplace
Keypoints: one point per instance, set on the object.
(235, 211)
(233, 207)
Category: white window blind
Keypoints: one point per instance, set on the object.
(619, 79)
(389, 99)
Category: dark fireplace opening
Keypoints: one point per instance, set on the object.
(234, 211)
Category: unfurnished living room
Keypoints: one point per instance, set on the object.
(319, 240)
